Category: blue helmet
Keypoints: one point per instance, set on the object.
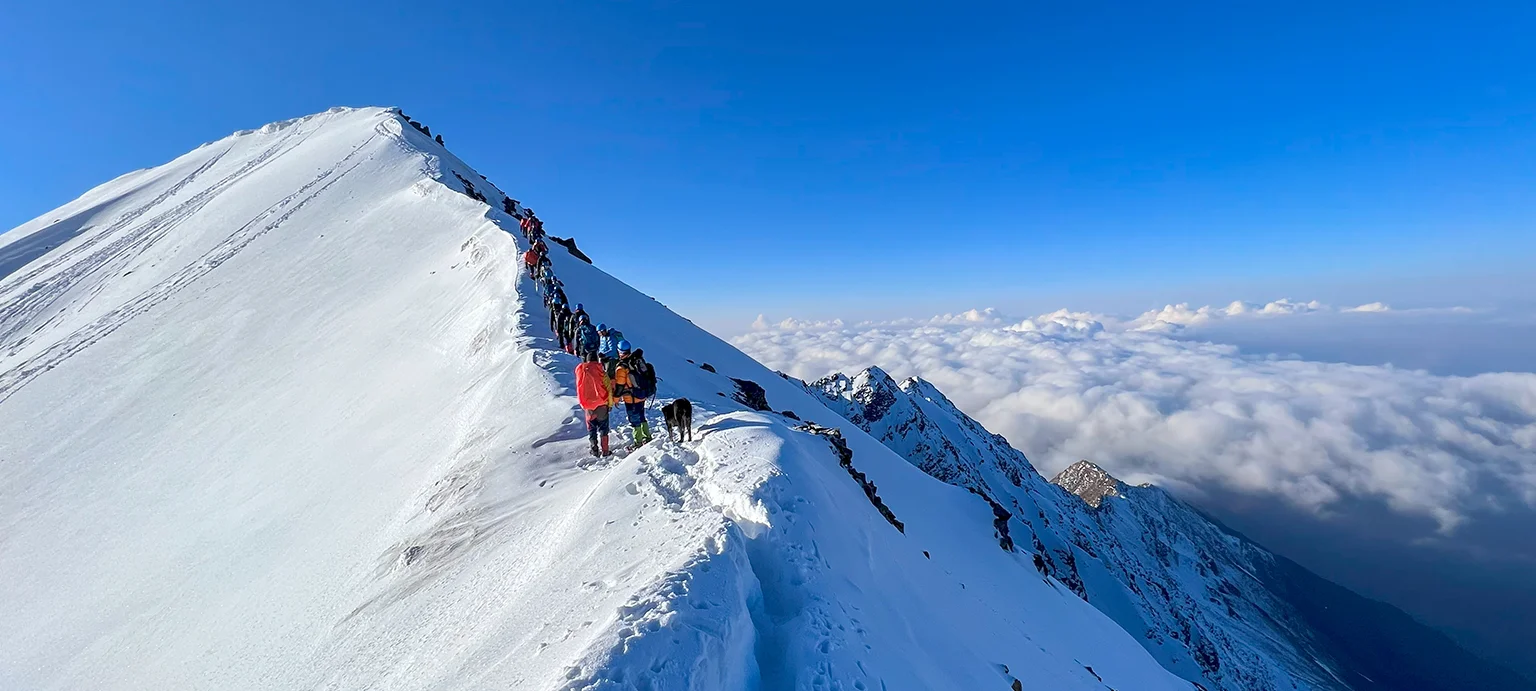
(578, 307)
(623, 346)
(602, 327)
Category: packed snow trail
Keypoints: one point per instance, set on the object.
(279, 414)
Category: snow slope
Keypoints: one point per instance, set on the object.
(283, 413)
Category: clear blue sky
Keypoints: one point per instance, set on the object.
(820, 158)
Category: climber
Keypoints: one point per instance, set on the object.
(570, 329)
(531, 258)
(538, 272)
(586, 336)
(552, 291)
(633, 382)
(595, 397)
(558, 313)
(608, 348)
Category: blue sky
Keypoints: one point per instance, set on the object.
(864, 159)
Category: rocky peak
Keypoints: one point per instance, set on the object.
(1089, 482)
(834, 384)
(866, 399)
(876, 392)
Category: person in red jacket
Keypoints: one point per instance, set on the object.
(531, 258)
(596, 396)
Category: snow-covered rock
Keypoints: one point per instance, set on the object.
(1089, 482)
(284, 413)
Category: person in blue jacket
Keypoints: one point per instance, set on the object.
(608, 350)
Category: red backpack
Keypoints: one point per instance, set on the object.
(591, 385)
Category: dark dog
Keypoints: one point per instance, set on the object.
(679, 415)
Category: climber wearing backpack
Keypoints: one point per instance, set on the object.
(558, 313)
(548, 283)
(595, 397)
(608, 349)
(586, 337)
(634, 380)
(552, 292)
(531, 258)
(570, 325)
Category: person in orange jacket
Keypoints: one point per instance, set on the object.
(632, 384)
(595, 394)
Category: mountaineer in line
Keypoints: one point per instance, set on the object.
(634, 381)
(595, 396)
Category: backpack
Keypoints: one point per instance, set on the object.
(642, 379)
(591, 386)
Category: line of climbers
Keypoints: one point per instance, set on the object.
(610, 371)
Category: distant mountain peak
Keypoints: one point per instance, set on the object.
(1089, 481)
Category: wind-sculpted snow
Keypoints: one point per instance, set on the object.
(280, 414)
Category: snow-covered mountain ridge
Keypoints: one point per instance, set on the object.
(281, 414)
(1210, 605)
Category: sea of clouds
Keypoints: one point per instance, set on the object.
(1150, 399)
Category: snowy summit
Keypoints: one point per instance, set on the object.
(287, 413)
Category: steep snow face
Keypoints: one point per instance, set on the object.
(1185, 588)
(282, 414)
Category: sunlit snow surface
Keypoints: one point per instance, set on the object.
(283, 413)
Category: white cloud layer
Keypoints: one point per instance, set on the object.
(1067, 385)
